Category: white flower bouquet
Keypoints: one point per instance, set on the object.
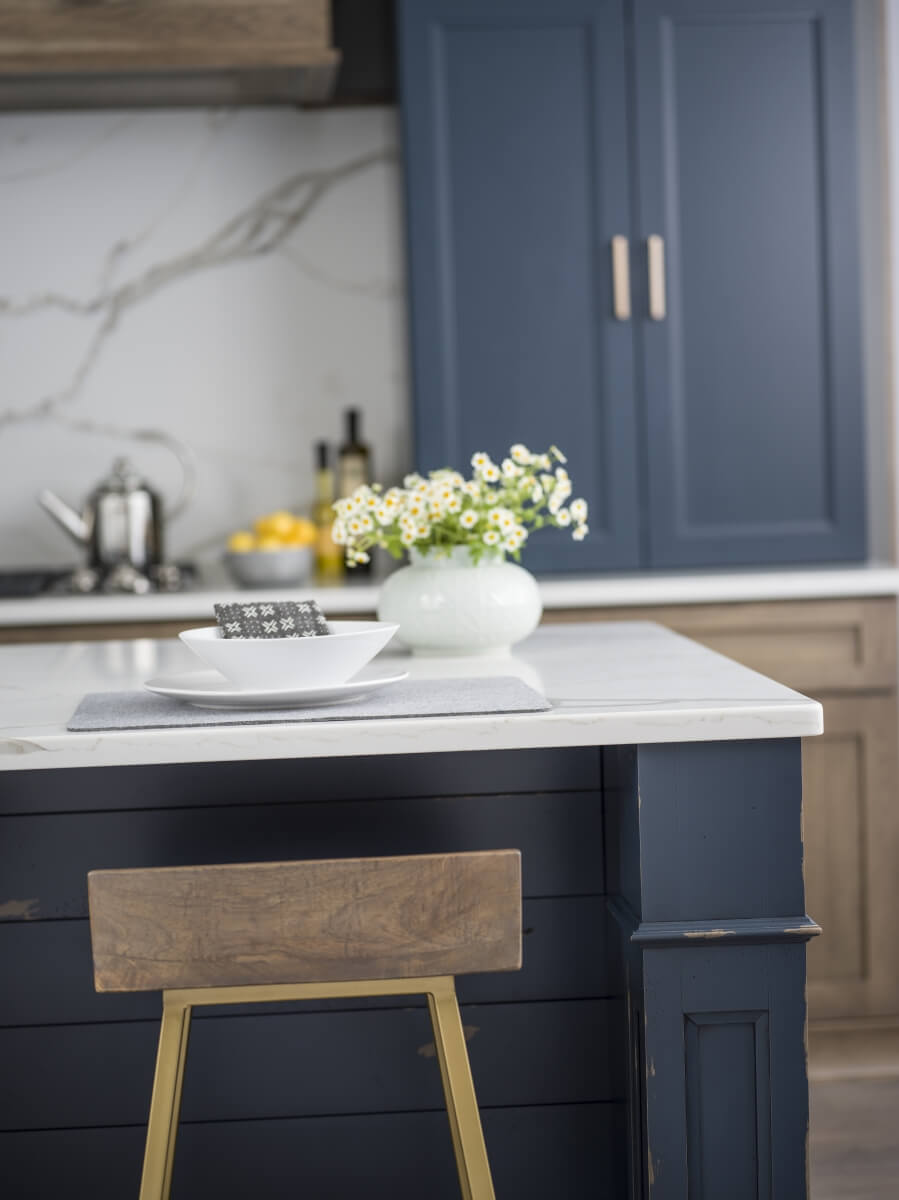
(492, 513)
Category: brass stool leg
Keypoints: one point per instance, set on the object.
(461, 1102)
(162, 1128)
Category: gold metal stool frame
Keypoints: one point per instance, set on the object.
(187, 925)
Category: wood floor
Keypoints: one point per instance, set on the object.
(854, 1135)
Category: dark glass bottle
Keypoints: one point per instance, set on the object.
(328, 556)
(353, 467)
(353, 457)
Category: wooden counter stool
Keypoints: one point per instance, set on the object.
(305, 931)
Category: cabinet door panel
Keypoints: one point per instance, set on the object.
(516, 164)
(745, 127)
(851, 834)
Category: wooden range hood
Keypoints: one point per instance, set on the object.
(93, 53)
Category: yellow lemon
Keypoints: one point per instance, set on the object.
(241, 542)
(277, 524)
(268, 543)
(303, 533)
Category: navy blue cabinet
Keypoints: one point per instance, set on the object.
(721, 422)
(744, 119)
(516, 157)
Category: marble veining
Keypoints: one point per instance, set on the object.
(223, 281)
(610, 684)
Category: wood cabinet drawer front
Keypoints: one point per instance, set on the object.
(815, 646)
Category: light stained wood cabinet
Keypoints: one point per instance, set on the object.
(851, 834)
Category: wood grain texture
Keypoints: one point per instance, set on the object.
(297, 922)
(37, 954)
(851, 828)
(51, 37)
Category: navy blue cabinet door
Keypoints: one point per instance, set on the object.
(515, 147)
(752, 379)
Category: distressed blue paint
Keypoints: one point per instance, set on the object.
(515, 159)
(753, 398)
(721, 1048)
(717, 1087)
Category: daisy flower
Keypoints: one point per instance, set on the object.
(494, 510)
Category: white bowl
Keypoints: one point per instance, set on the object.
(270, 568)
(291, 662)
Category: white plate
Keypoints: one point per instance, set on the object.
(209, 689)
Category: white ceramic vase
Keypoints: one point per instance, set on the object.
(447, 604)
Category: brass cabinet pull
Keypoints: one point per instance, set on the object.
(655, 257)
(621, 279)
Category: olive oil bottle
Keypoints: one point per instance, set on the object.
(329, 562)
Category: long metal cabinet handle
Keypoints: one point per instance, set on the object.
(655, 257)
(621, 278)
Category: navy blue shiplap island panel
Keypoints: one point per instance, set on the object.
(516, 167)
(745, 128)
(720, 422)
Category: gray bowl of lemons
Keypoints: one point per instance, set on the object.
(278, 552)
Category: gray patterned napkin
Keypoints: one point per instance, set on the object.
(272, 619)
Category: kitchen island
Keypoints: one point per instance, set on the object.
(652, 1045)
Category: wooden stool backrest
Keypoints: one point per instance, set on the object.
(314, 921)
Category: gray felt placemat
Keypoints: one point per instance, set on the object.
(409, 698)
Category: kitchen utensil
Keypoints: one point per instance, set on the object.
(299, 662)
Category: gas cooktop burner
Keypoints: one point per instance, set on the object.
(89, 581)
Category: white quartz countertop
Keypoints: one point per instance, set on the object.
(557, 592)
(609, 684)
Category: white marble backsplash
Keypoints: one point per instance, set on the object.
(227, 281)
